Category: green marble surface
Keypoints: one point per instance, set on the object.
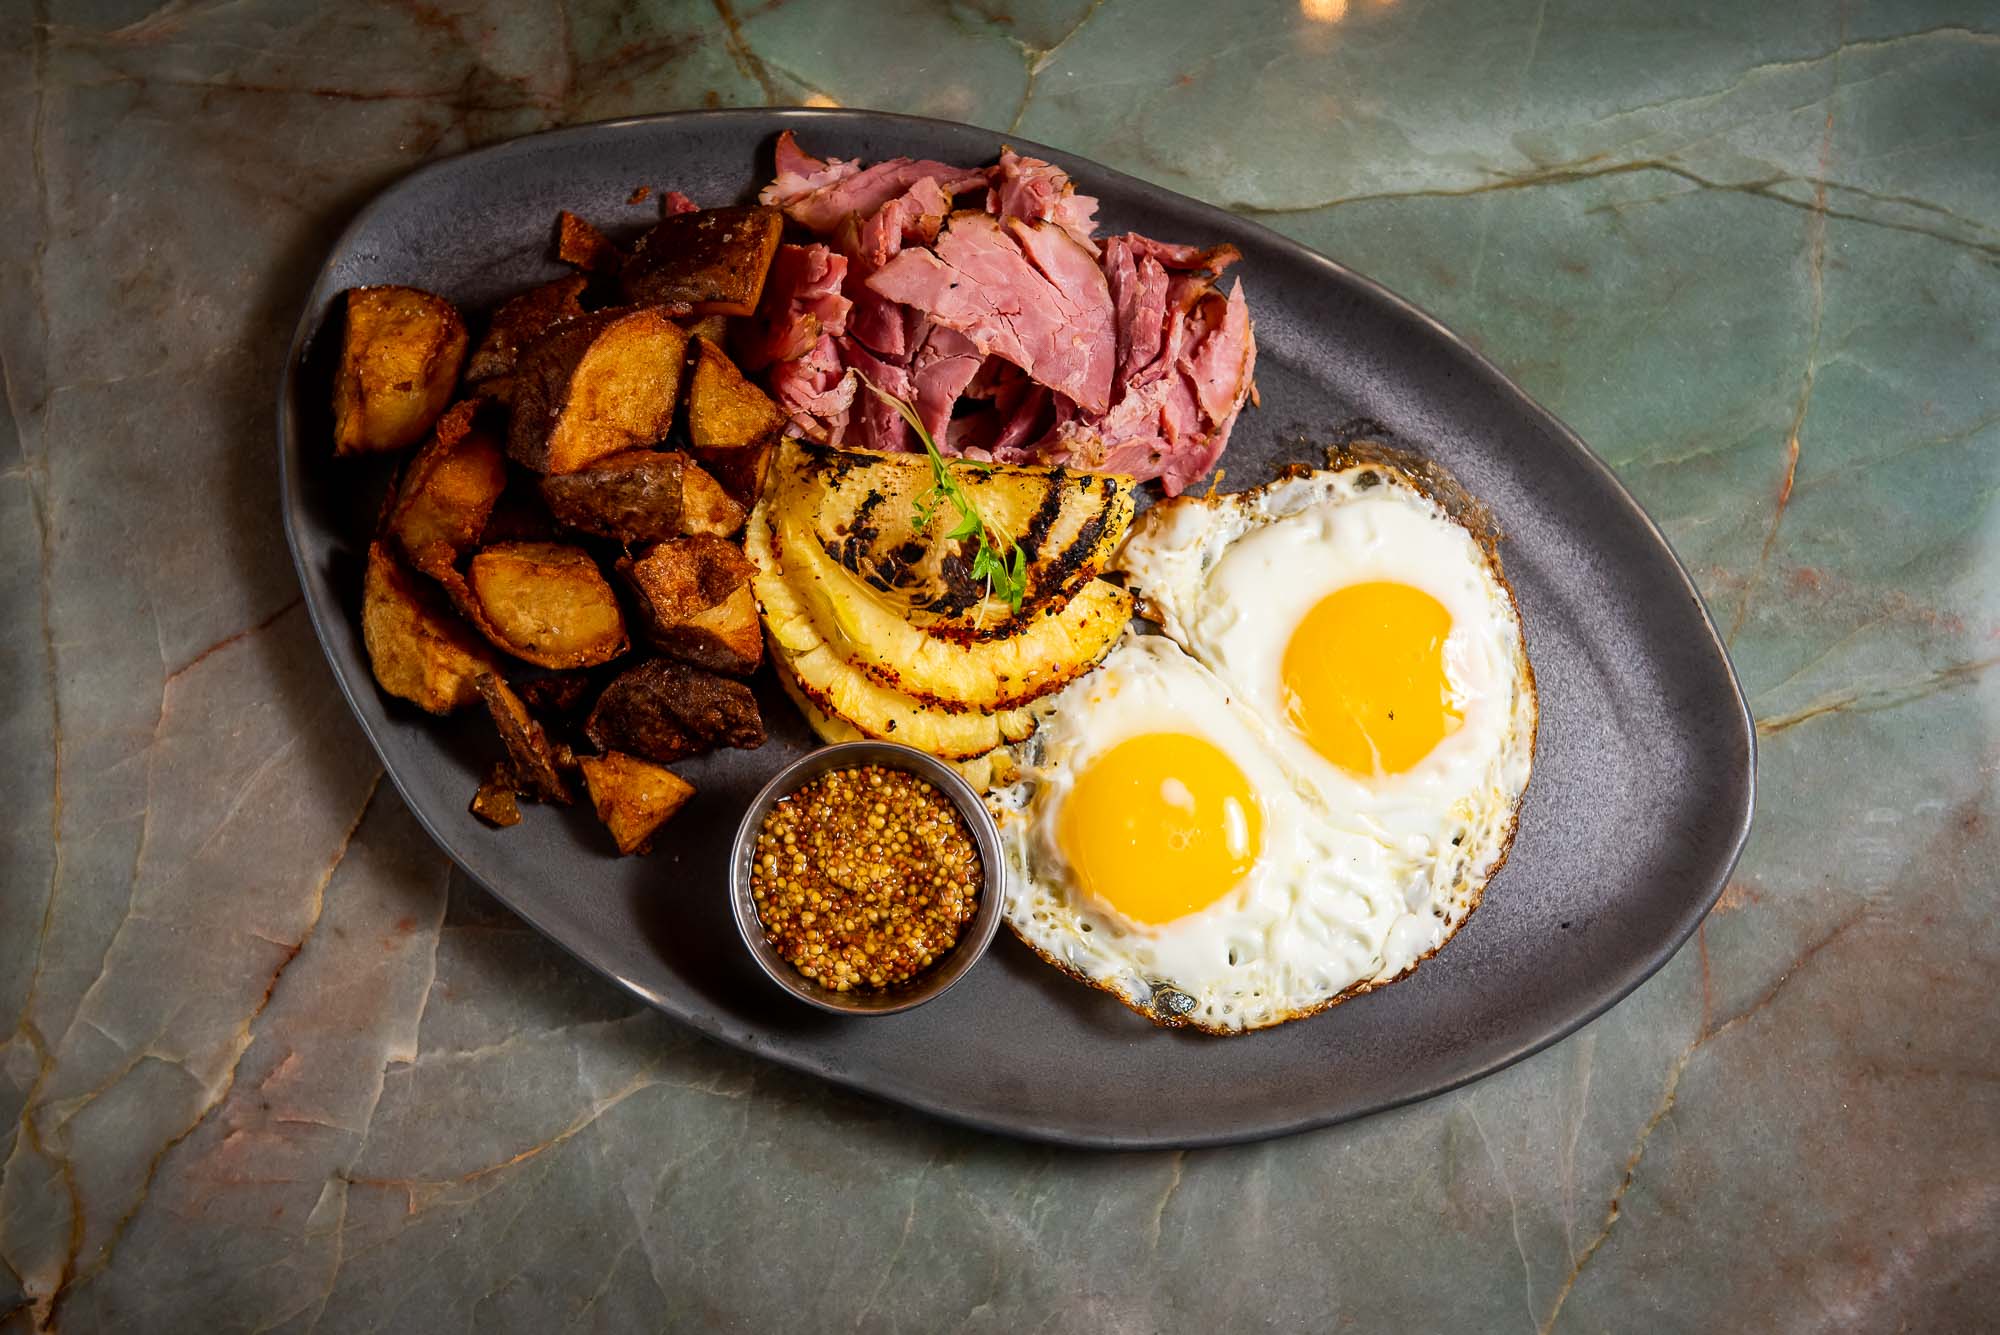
(269, 1066)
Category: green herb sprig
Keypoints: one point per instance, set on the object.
(996, 558)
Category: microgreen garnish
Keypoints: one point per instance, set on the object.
(1005, 569)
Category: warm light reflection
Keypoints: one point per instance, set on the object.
(1324, 11)
(821, 100)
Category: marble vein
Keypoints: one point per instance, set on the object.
(239, 1045)
(1864, 700)
(1762, 188)
(746, 58)
(1499, 1166)
(421, 1192)
(1670, 1093)
(1035, 59)
(1816, 279)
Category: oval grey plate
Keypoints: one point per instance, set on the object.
(1642, 789)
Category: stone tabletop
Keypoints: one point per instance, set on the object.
(270, 1065)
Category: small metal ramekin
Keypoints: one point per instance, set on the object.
(972, 940)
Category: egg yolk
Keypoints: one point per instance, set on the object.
(1160, 826)
(1364, 678)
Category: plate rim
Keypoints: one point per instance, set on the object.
(769, 120)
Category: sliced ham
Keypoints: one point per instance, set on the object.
(913, 217)
(1037, 191)
(943, 367)
(816, 390)
(875, 424)
(1046, 315)
(1116, 354)
(1024, 417)
(863, 192)
(674, 202)
(800, 173)
(1221, 363)
(1138, 283)
(802, 301)
(971, 436)
(1213, 260)
(1174, 423)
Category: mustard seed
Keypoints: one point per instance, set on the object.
(877, 878)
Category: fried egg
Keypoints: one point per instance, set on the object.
(1300, 787)
(1371, 635)
(1159, 849)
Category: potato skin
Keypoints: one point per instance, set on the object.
(448, 491)
(531, 761)
(399, 359)
(520, 515)
(692, 600)
(520, 321)
(631, 497)
(710, 262)
(742, 471)
(633, 797)
(594, 386)
(714, 328)
(560, 695)
(665, 711)
(547, 604)
(419, 651)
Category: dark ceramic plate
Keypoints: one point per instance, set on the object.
(1642, 788)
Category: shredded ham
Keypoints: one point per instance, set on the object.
(1016, 331)
(802, 300)
(1026, 292)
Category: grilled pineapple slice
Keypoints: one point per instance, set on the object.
(861, 508)
(836, 687)
(900, 607)
(995, 769)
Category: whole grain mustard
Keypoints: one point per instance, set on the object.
(864, 877)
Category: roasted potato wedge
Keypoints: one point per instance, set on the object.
(631, 497)
(594, 386)
(420, 652)
(741, 471)
(705, 506)
(714, 328)
(726, 411)
(495, 802)
(399, 361)
(710, 262)
(448, 491)
(732, 424)
(665, 711)
(693, 601)
(580, 244)
(546, 603)
(518, 323)
(633, 797)
(560, 694)
(521, 514)
(531, 761)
